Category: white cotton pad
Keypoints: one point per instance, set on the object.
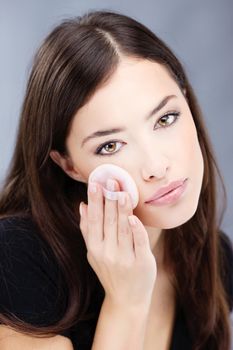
(127, 184)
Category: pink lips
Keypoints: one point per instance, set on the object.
(165, 190)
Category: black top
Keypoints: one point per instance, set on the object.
(30, 279)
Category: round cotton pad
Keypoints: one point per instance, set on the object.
(105, 171)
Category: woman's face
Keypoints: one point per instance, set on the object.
(155, 150)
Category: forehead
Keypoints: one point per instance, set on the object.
(136, 85)
(133, 78)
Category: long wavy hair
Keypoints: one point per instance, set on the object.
(78, 56)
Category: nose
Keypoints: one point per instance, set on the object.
(154, 166)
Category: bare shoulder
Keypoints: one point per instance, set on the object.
(10, 339)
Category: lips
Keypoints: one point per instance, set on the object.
(164, 190)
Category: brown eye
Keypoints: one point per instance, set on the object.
(110, 147)
(165, 122)
(165, 119)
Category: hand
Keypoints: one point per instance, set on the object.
(119, 253)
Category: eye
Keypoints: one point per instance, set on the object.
(110, 150)
(112, 143)
(165, 118)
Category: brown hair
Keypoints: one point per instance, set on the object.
(77, 57)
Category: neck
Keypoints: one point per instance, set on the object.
(156, 238)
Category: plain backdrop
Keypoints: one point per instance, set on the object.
(199, 32)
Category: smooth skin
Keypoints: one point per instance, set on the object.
(154, 156)
(118, 252)
(12, 340)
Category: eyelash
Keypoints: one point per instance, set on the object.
(99, 149)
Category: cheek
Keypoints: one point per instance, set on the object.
(189, 149)
(196, 157)
(188, 161)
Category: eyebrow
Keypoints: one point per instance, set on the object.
(117, 130)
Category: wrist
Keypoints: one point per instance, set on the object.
(141, 308)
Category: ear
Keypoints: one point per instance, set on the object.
(66, 164)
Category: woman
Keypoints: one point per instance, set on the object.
(94, 281)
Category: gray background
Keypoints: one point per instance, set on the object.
(199, 32)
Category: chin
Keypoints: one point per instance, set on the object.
(165, 218)
(177, 221)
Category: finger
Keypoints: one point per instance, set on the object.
(83, 221)
(111, 215)
(95, 215)
(125, 236)
(140, 237)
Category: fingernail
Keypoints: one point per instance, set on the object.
(110, 185)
